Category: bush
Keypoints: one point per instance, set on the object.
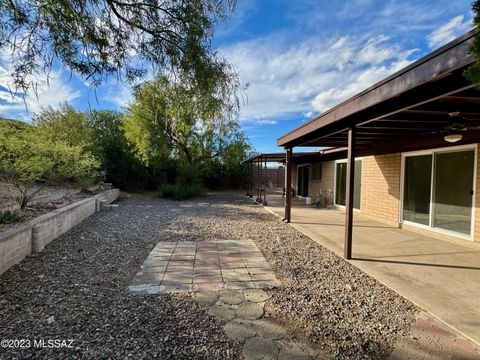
(27, 160)
(10, 217)
(182, 192)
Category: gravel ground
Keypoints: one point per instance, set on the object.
(77, 289)
(81, 280)
(332, 304)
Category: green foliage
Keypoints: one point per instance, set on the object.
(27, 157)
(64, 124)
(127, 38)
(10, 217)
(174, 120)
(473, 72)
(122, 168)
(182, 192)
(188, 184)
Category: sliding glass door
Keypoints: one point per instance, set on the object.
(341, 183)
(417, 189)
(453, 191)
(438, 190)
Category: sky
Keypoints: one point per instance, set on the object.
(299, 58)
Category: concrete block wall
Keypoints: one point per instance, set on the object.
(381, 187)
(109, 196)
(17, 243)
(48, 227)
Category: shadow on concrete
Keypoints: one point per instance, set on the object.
(418, 264)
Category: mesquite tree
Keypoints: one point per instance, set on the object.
(100, 38)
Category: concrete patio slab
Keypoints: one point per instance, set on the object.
(204, 266)
(442, 277)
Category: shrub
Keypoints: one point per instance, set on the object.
(168, 191)
(27, 158)
(10, 217)
(182, 192)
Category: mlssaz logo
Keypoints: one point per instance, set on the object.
(53, 343)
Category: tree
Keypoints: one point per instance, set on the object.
(100, 38)
(473, 72)
(189, 123)
(117, 156)
(64, 124)
(27, 158)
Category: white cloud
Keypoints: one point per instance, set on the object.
(448, 31)
(120, 94)
(312, 75)
(49, 90)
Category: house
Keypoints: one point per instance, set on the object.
(403, 151)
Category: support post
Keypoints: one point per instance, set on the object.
(250, 185)
(288, 185)
(265, 184)
(258, 182)
(349, 194)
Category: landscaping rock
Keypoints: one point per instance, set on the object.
(232, 297)
(239, 330)
(269, 330)
(206, 298)
(255, 295)
(257, 348)
(222, 311)
(250, 311)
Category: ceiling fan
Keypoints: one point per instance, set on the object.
(457, 124)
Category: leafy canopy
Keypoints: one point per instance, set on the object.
(26, 157)
(99, 38)
(473, 72)
(169, 119)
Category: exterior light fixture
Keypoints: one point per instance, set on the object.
(453, 138)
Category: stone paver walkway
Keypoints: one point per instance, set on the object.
(187, 266)
(242, 313)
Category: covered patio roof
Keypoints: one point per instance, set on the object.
(281, 157)
(411, 109)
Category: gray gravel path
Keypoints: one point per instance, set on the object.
(331, 303)
(77, 289)
(81, 280)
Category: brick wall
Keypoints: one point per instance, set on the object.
(274, 176)
(381, 187)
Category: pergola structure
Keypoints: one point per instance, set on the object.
(259, 162)
(412, 109)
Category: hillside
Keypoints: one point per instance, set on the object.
(9, 124)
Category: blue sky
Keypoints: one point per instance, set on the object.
(299, 58)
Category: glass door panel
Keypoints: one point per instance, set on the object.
(357, 191)
(341, 184)
(417, 189)
(453, 191)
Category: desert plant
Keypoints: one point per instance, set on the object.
(10, 217)
(28, 161)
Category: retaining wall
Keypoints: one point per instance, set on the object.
(32, 237)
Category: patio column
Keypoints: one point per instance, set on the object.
(258, 182)
(250, 185)
(288, 186)
(349, 194)
(265, 184)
